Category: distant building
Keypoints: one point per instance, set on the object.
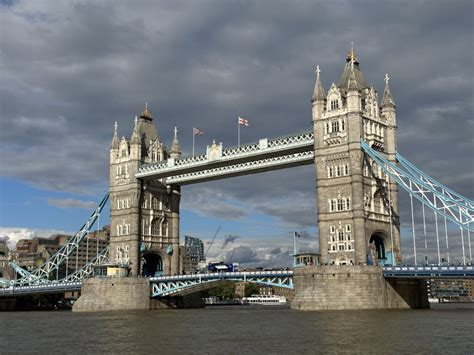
(193, 254)
(6, 272)
(194, 247)
(31, 253)
(453, 290)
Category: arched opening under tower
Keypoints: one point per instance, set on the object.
(342, 260)
(152, 265)
(377, 248)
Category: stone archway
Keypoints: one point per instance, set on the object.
(377, 248)
(342, 260)
(152, 265)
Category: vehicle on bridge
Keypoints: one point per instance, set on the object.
(222, 267)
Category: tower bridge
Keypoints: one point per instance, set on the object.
(359, 172)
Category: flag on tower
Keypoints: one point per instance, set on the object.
(197, 132)
(243, 121)
(297, 235)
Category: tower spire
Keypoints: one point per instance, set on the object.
(352, 82)
(146, 114)
(387, 99)
(318, 93)
(175, 151)
(135, 135)
(115, 140)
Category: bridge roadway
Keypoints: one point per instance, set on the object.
(181, 284)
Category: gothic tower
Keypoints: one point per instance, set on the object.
(357, 216)
(144, 215)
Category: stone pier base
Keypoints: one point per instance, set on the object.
(354, 287)
(113, 294)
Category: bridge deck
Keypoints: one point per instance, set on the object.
(167, 285)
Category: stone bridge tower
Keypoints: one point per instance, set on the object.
(357, 216)
(144, 215)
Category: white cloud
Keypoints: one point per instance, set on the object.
(71, 203)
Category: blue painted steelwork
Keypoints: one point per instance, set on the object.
(77, 276)
(42, 274)
(54, 287)
(435, 271)
(175, 285)
(455, 207)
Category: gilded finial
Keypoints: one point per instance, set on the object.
(146, 114)
(386, 79)
(351, 55)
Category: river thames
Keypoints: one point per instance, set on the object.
(445, 329)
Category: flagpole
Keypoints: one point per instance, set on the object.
(294, 249)
(238, 133)
(193, 141)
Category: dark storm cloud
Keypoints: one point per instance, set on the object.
(244, 254)
(70, 70)
(229, 239)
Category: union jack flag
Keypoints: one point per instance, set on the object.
(243, 121)
(197, 132)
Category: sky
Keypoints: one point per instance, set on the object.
(71, 69)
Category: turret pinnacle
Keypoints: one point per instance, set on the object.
(135, 135)
(352, 82)
(387, 99)
(175, 151)
(115, 140)
(146, 114)
(318, 93)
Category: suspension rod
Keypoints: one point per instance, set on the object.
(446, 233)
(413, 225)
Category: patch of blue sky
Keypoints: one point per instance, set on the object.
(24, 206)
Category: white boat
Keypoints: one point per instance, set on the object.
(264, 300)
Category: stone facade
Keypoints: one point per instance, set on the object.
(356, 212)
(113, 294)
(354, 287)
(144, 215)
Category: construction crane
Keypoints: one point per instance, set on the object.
(212, 242)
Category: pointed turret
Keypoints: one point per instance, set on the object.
(353, 93)
(387, 99)
(115, 140)
(135, 135)
(318, 93)
(352, 66)
(175, 151)
(319, 97)
(352, 83)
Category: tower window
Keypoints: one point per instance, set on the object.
(334, 104)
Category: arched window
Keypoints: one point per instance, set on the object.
(155, 227)
(155, 202)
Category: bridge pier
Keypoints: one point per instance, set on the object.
(353, 288)
(113, 294)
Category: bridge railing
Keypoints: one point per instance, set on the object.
(223, 275)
